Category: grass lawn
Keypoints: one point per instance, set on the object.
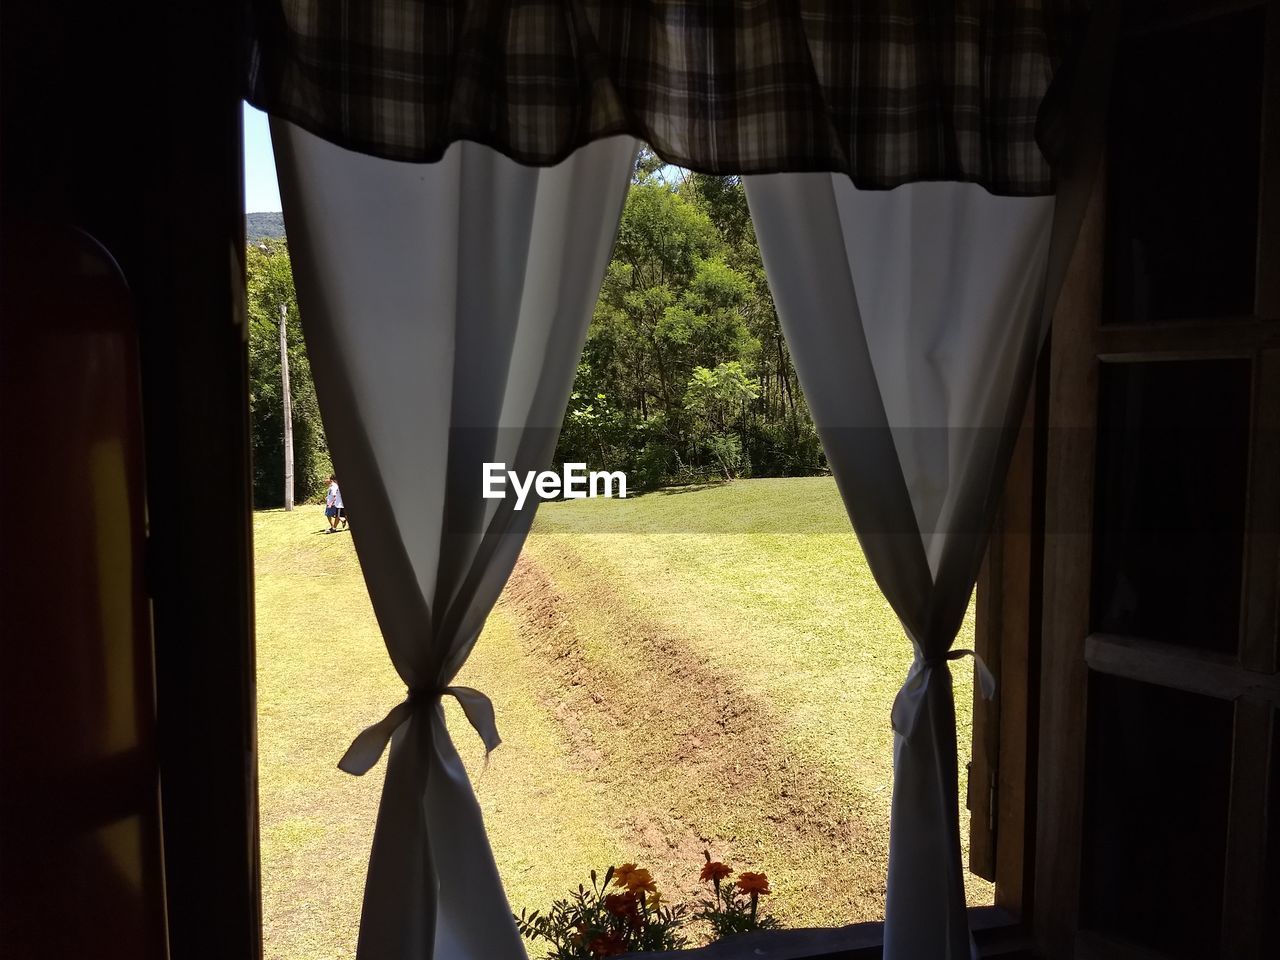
(725, 682)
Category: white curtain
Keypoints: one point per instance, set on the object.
(914, 317)
(444, 307)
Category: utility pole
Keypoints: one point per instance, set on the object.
(288, 407)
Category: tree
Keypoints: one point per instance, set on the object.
(685, 375)
(718, 401)
(648, 165)
(634, 342)
(779, 435)
(685, 291)
(270, 297)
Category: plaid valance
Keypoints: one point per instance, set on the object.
(888, 91)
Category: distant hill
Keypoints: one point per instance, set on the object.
(263, 226)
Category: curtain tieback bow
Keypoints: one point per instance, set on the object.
(906, 705)
(370, 743)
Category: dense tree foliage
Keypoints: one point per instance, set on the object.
(270, 284)
(685, 374)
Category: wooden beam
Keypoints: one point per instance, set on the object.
(188, 276)
(1186, 340)
(984, 758)
(1267, 291)
(1261, 573)
(1013, 583)
(1068, 547)
(1182, 668)
(1244, 908)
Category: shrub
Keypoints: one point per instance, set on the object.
(594, 922)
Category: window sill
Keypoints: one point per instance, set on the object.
(997, 933)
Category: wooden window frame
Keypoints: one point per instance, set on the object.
(1006, 636)
(184, 262)
(1081, 344)
(133, 136)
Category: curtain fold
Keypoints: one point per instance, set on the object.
(444, 308)
(914, 317)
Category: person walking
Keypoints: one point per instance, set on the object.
(332, 497)
(337, 502)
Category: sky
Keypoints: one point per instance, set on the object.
(260, 190)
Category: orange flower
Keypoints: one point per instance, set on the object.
(622, 904)
(754, 883)
(622, 874)
(715, 871)
(641, 880)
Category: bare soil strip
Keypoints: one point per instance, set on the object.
(691, 759)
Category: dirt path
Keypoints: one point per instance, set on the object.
(691, 759)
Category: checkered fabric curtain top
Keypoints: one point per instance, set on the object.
(887, 91)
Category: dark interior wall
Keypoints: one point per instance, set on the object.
(123, 119)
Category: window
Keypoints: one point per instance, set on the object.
(717, 658)
(1159, 689)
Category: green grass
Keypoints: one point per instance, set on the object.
(725, 682)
